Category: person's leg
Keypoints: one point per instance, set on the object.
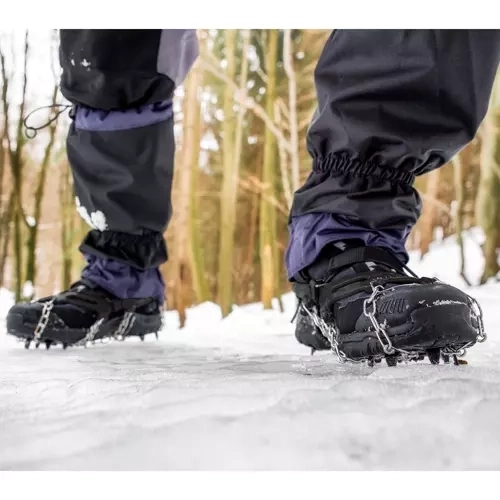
(120, 146)
(392, 104)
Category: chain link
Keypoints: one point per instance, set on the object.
(92, 332)
(330, 332)
(43, 321)
(478, 312)
(370, 314)
(125, 325)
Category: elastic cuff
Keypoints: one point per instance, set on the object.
(142, 251)
(341, 163)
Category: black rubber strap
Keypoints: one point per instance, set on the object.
(363, 255)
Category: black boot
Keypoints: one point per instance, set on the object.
(365, 305)
(82, 314)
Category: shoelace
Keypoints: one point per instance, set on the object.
(30, 131)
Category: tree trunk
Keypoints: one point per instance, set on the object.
(15, 148)
(192, 131)
(488, 199)
(268, 250)
(37, 212)
(18, 255)
(233, 138)
(67, 226)
(6, 231)
(428, 218)
(461, 163)
(288, 54)
(183, 256)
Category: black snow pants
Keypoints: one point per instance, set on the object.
(392, 105)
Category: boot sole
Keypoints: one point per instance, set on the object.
(140, 326)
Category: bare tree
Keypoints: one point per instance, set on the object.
(292, 104)
(488, 199)
(233, 139)
(15, 146)
(34, 220)
(267, 233)
(461, 163)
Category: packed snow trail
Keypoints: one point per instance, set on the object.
(242, 394)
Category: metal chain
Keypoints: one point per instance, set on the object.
(43, 321)
(125, 325)
(478, 311)
(330, 332)
(92, 332)
(379, 329)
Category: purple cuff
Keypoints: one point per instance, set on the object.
(97, 120)
(310, 233)
(124, 281)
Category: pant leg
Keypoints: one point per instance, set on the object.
(121, 147)
(392, 104)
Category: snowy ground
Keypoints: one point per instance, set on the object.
(241, 394)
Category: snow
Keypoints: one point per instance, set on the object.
(28, 289)
(240, 393)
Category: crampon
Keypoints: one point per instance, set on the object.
(81, 316)
(384, 312)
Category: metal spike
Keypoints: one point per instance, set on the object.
(434, 356)
(27, 344)
(391, 360)
(48, 343)
(313, 350)
(141, 337)
(457, 361)
(156, 334)
(37, 345)
(64, 346)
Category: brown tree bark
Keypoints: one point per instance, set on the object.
(233, 139)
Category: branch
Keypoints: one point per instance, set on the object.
(45, 161)
(22, 106)
(5, 103)
(54, 51)
(292, 104)
(242, 110)
(287, 190)
(255, 186)
(17, 167)
(436, 202)
(261, 73)
(248, 102)
(283, 108)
